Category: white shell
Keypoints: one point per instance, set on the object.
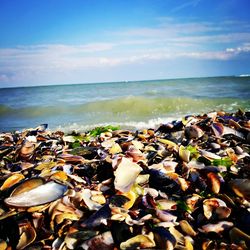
(40, 195)
(126, 174)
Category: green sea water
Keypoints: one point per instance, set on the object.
(128, 104)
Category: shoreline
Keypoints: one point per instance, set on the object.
(184, 184)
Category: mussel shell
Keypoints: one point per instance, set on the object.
(39, 195)
(241, 187)
(27, 235)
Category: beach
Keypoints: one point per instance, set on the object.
(181, 185)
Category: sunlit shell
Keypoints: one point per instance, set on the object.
(101, 241)
(139, 222)
(27, 185)
(115, 149)
(141, 241)
(184, 153)
(72, 158)
(165, 204)
(131, 195)
(3, 245)
(126, 174)
(217, 227)
(27, 150)
(12, 180)
(169, 144)
(214, 182)
(186, 228)
(59, 175)
(209, 155)
(91, 204)
(165, 216)
(27, 235)
(40, 195)
(135, 154)
(192, 201)
(210, 205)
(218, 129)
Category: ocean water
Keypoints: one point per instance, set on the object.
(135, 105)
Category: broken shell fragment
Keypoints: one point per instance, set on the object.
(27, 150)
(141, 241)
(210, 206)
(27, 235)
(37, 196)
(12, 180)
(184, 153)
(214, 182)
(126, 174)
(101, 241)
(217, 227)
(186, 228)
(241, 187)
(194, 131)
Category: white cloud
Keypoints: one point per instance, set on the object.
(187, 4)
(245, 48)
(167, 41)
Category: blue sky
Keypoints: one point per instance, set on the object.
(81, 41)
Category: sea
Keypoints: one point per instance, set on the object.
(128, 104)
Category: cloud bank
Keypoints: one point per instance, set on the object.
(166, 42)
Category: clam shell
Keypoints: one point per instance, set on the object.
(37, 196)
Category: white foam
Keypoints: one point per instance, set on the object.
(152, 123)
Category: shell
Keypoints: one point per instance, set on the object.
(141, 241)
(27, 235)
(218, 227)
(126, 174)
(101, 241)
(214, 181)
(12, 180)
(40, 195)
(184, 153)
(210, 205)
(218, 129)
(194, 132)
(186, 227)
(28, 185)
(241, 187)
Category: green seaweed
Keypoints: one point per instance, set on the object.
(193, 151)
(98, 130)
(182, 205)
(226, 161)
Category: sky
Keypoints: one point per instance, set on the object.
(45, 42)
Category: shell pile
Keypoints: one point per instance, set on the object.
(184, 185)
